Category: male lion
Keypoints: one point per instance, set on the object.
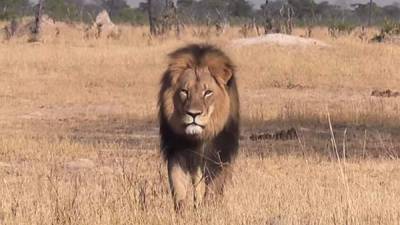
(199, 121)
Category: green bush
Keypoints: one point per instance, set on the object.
(391, 27)
(340, 28)
(130, 15)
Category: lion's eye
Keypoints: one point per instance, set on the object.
(183, 93)
(208, 93)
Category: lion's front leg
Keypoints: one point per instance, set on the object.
(199, 186)
(178, 179)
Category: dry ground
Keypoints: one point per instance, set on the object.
(79, 145)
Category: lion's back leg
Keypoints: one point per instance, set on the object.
(178, 180)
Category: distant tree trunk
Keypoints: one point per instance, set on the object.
(177, 21)
(153, 30)
(13, 26)
(370, 13)
(267, 21)
(38, 20)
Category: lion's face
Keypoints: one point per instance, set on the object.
(200, 103)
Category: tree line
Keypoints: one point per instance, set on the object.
(305, 12)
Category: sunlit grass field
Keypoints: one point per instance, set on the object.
(79, 141)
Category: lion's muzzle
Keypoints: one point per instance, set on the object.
(193, 122)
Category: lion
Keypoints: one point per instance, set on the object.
(199, 121)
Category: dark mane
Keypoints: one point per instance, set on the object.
(224, 146)
(197, 54)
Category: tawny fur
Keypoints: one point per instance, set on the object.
(206, 157)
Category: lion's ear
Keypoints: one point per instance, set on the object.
(224, 74)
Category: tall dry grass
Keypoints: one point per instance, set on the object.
(47, 185)
(79, 141)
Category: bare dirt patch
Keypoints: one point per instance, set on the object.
(279, 39)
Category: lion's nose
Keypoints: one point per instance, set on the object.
(194, 113)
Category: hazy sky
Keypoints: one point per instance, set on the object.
(342, 2)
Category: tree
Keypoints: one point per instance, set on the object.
(367, 10)
(392, 11)
(10, 9)
(114, 7)
(304, 9)
(185, 3)
(35, 32)
(213, 8)
(327, 12)
(131, 15)
(240, 8)
(61, 10)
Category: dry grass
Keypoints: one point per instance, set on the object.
(79, 141)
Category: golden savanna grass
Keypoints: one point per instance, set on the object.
(79, 141)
